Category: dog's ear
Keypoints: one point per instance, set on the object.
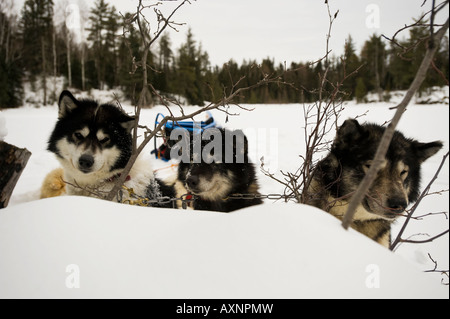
(426, 150)
(127, 122)
(67, 103)
(349, 132)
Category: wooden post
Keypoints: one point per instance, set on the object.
(12, 162)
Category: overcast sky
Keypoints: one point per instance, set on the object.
(285, 30)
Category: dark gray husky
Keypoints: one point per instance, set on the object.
(338, 175)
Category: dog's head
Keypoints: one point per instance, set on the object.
(218, 165)
(90, 138)
(397, 183)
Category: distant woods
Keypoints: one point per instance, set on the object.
(40, 43)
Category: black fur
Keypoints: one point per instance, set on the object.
(240, 174)
(356, 144)
(338, 175)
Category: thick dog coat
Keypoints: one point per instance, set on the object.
(93, 144)
(213, 178)
(338, 175)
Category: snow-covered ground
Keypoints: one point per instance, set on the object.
(82, 247)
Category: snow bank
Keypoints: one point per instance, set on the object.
(76, 247)
(432, 95)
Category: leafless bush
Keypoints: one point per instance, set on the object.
(148, 38)
(320, 118)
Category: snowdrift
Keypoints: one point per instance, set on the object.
(77, 247)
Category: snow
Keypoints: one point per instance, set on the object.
(136, 252)
(275, 250)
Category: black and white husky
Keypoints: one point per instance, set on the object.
(338, 175)
(93, 143)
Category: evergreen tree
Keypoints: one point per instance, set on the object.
(360, 90)
(352, 63)
(35, 26)
(36, 31)
(231, 73)
(442, 63)
(100, 37)
(404, 62)
(10, 71)
(141, 59)
(111, 46)
(34, 47)
(130, 79)
(165, 56)
(190, 79)
(373, 55)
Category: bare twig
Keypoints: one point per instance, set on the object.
(220, 105)
(398, 239)
(320, 118)
(421, 22)
(443, 272)
(425, 240)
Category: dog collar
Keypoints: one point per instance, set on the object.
(187, 201)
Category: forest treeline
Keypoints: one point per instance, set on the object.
(34, 47)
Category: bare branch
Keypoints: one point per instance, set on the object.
(416, 204)
(220, 105)
(425, 240)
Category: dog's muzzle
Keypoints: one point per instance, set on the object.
(395, 206)
(85, 163)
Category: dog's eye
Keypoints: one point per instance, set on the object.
(104, 140)
(404, 173)
(78, 136)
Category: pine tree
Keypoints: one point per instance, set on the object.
(373, 56)
(190, 81)
(349, 64)
(36, 30)
(98, 20)
(129, 53)
(111, 46)
(360, 90)
(10, 71)
(165, 56)
(405, 60)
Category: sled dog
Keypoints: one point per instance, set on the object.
(338, 175)
(93, 143)
(213, 175)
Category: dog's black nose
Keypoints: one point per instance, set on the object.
(85, 162)
(192, 181)
(397, 205)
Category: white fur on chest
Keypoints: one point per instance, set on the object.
(100, 184)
